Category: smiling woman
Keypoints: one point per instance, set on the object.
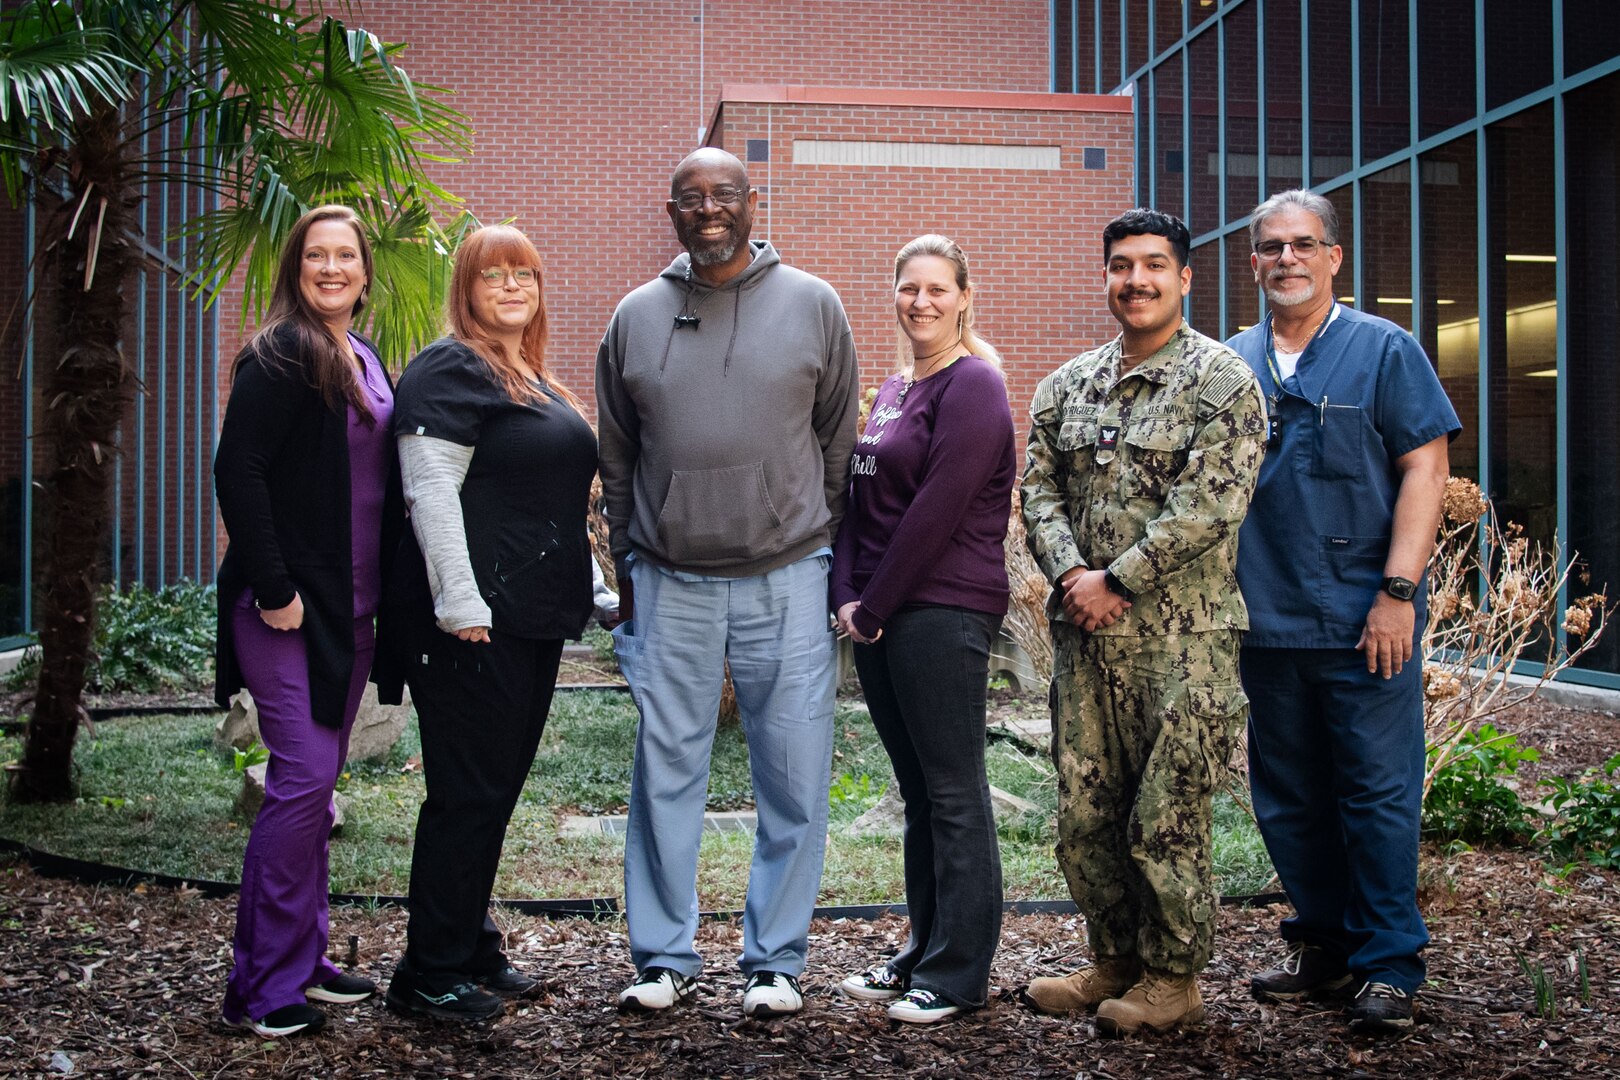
(498, 463)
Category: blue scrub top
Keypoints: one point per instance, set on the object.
(1311, 552)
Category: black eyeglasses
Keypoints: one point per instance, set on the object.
(1305, 247)
(688, 202)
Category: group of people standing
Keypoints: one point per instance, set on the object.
(434, 534)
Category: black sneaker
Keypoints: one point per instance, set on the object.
(464, 1002)
(284, 1022)
(508, 981)
(1380, 1007)
(341, 989)
(1307, 970)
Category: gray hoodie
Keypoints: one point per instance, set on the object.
(725, 445)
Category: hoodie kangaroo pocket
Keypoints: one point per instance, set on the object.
(718, 515)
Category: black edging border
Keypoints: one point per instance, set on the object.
(594, 907)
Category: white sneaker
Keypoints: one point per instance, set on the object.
(771, 993)
(881, 983)
(922, 1007)
(656, 988)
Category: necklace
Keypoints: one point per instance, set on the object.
(1308, 337)
(914, 378)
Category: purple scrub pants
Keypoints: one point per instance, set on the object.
(281, 914)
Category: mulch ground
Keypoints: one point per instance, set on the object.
(117, 982)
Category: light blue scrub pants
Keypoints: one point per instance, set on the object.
(774, 630)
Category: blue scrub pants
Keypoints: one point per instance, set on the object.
(1336, 758)
(774, 630)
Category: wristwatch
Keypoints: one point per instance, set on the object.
(1400, 588)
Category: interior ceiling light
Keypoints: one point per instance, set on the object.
(1544, 373)
(1531, 258)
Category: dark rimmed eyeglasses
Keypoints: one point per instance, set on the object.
(1305, 247)
(688, 202)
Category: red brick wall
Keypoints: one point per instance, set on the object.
(582, 109)
(1032, 236)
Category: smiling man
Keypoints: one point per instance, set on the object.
(1142, 457)
(726, 401)
(1333, 567)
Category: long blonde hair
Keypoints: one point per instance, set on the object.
(502, 245)
(945, 248)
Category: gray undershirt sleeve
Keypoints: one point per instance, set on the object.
(432, 471)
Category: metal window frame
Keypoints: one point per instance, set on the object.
(1227, 232)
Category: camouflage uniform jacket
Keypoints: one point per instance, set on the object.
(1148, 475)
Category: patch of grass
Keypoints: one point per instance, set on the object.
(158, 796)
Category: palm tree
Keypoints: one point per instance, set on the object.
(271, 108)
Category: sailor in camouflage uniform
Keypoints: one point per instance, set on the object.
(1142, 458)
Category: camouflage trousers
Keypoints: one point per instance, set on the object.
(1142, 729)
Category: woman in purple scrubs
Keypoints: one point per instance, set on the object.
(308, 487)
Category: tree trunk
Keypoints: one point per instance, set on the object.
(85, 391)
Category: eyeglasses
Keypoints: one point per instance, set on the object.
(692, 201)
(496, 278)
(1305, 247)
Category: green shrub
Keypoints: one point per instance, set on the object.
(1469, 800)
(1586, 817)
(145, 640)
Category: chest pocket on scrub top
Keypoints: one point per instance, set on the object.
(1338, 441)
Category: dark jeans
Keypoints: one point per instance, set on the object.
(924, 681)
(1336, 761)
(482, 708)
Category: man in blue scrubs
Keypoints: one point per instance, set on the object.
(1331, 563)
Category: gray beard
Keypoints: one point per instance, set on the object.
(1278, 299)
(713, 256)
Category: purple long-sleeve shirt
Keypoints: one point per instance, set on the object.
(930, 493)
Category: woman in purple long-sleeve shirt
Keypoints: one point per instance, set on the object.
(920, 584)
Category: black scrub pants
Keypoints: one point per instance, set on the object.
(481, 707)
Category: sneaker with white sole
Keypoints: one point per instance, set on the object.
(771, 993)
(656, 988)
(283, 1022)
(881, 983)
(341, 989)
(920, 1006)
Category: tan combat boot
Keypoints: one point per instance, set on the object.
(1085, 989)
(1162, 1001)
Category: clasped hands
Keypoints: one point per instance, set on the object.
(1087, 600)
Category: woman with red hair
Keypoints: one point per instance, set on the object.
(497, 462)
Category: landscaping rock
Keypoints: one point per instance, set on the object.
(251, 797)
(888, 816)
(376, 729)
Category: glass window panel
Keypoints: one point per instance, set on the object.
(1592, 307)
(1591, 34)
(1242, 111)
(1386, 244)
(1446, 64)
(1523, 313)
(1449, 285)
(1144, 145)
(1108, 33)
(1205, 306)
(1170, 148)
(1386, 121)
(1166, 23)
(1200, 12)
(1062, 48)
(1344, 282)
(1136, 36)
(1085, 40)
(1330, 92)
(1283, 97)
(1518, 49)
(1242, 295)
(1203, 156)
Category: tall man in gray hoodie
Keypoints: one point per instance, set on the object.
(726, 400)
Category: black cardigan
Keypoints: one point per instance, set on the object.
(281, 473)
